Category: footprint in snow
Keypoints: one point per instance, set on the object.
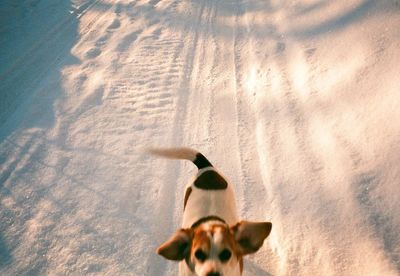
(102, 40)
(280, 47)
(127, 41)
(157, 33)
(154, 2)
(118, 9)
(92, 53)
(153, 22)
(115, 24)
(310, 52)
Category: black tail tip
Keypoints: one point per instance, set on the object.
(201, 161)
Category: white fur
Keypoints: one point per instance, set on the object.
(218, 238)
(203, 203)
(227, 270)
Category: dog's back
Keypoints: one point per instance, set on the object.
(209, 194)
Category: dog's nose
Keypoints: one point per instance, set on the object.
(213, 274)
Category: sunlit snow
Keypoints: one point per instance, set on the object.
(296, 102)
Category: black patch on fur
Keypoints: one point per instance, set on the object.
(211, 180)
(205, 219)
(201, 161)
(187, 194)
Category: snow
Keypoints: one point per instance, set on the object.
(296, 102)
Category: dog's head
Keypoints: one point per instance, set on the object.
(214, 248)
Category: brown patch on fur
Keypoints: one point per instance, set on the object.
(201, 240)
(187, 194)
(211, 180)
(178, 246)
(250, 236)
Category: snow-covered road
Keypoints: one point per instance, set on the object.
(297, 102)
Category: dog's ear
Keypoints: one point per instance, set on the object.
(250, 236)
(178, 246)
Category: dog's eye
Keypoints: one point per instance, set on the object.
(225, 255)
(200, 255)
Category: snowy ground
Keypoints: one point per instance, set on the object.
(297, 102)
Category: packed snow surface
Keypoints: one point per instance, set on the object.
(297, 102)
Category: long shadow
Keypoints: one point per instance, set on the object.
(383, 224)
(37, 37)
(178, 20)
(36, 40)
(339, 22)
(28, 54)
(302, 10)
(5, 255)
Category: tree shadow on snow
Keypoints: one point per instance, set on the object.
(5, 255)
(37, 37)
(179, 21)
(381, 221)
(341, 21)
(36, 41)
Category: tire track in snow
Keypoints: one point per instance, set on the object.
(245, 66)
(268, 132)
(198, 119)
(250, 84)
(255, 180)
(293, 195)
(317, 190)
(302, 187)
(172, 187)
(213, 118)
(156, 71)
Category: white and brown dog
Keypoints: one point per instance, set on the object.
(212, 241)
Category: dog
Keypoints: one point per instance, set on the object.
(212, 240)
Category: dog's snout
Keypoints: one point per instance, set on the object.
(213, 274)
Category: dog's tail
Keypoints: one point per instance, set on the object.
(183, 153)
